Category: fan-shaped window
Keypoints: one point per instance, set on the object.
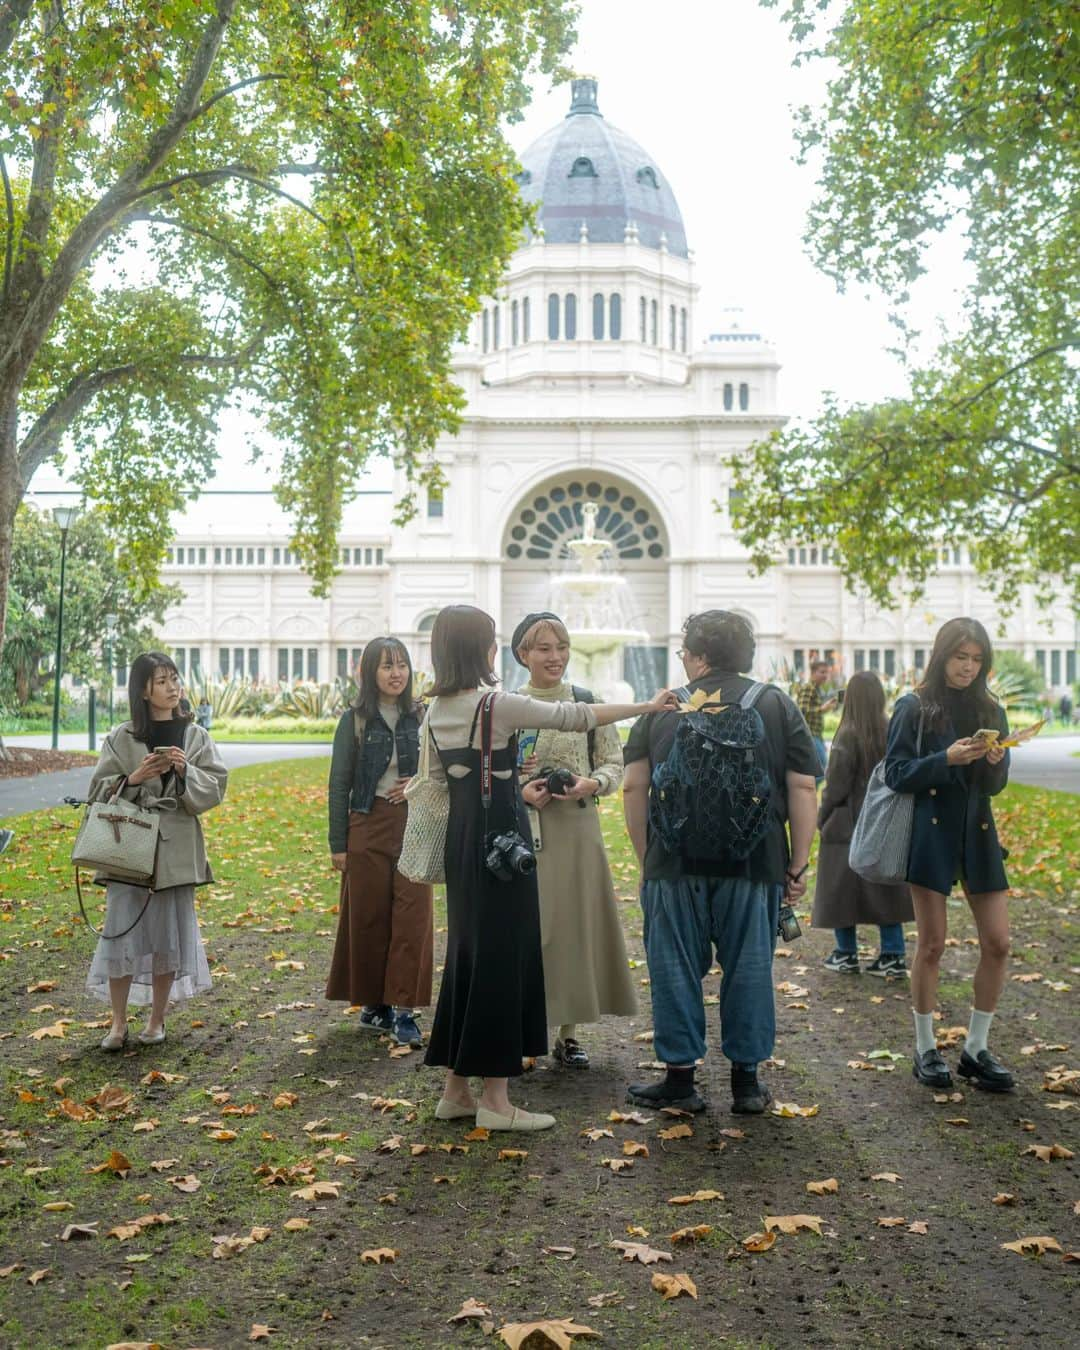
(643, 307)
(553, 317)
(570, 318)
(525, 319)
(547, 522)
(615, 318)
(598, 316)
(486, 325)
(647, 177)
(582, 167)
(744, 397)
(514, 335)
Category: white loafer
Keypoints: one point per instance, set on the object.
(516, 1120)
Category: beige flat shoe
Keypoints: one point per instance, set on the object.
(453, 1111)
(516, 1120)
(112, 1042)
(156, 1038)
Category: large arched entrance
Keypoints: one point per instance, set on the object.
(534, 550)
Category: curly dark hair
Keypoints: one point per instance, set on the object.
(723, 639)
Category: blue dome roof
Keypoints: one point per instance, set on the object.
(586, 170)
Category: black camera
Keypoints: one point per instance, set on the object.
(787, 925)
(507, 856)
(557, 781)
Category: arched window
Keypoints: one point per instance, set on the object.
(654, 325)
(647, 178)
(525, 319)
(553, 317)
(615, 319)
(729, 397)
(683, 330)
(598, 316)
(582, 167)
(570, 318)
(486, 323)
(495, 311)
(513, 323)
(744, 397)
(643, 308)
(671, 327)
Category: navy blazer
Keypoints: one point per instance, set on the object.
(953, 836)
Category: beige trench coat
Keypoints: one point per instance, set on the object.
(181, 855)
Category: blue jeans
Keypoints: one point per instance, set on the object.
(892, 939)
(684, 921)
(823, 759)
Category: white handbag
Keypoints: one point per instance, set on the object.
(119, 838)
(423, 849)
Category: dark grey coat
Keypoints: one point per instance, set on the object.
(841, 897)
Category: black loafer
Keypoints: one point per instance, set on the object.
(658, 1095)
(985, 1072)
(570, 1054)
(749, 1095)
(931, 1069)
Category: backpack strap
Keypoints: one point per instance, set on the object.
(751, 695)
(586, 696)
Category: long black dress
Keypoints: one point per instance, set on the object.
(491, 1011)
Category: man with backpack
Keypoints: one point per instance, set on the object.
(709, 794)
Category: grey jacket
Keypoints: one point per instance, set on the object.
(181, 856)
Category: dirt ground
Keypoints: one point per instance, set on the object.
(530, 1238)
(25, 762)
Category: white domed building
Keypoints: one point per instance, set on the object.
(588, 378)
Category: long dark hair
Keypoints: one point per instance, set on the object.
(863, 724)
(461, 639)
(143, 670)
(367, 699)
(931, 690)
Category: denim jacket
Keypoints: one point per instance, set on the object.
(354, 777)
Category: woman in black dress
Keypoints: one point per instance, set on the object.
(935, 753)
(491, 1012)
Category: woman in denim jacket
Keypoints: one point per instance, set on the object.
(382, 955)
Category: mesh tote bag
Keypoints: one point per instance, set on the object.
(121, 839)
(881, 840)
(423, 849)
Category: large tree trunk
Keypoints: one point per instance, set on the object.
(11, 491)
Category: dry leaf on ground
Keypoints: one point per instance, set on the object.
(618, 1164)
(478, 1135)
(632, 1148)
(680, 1131)
(188, 1184)
(1004, 1198)
(639, 1251)
(471, 1310)
(793, 1223)
(319, 1190)
(892, 1177)
(759, 1242)
(829, 1186)
(513, 1154)
(296, 1225)
(920, 1226)
(594, 1134)
(671, 1286)
(115, 1163)
(791, 1109)
(1033, 1246)
(894, 1222)
(693, 1234)
(539, 1335)
(697, 1195)
(375, 1256)
(1046, 1152)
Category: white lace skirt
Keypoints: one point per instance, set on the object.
(166, 938)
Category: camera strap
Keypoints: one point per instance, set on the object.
(486, 706)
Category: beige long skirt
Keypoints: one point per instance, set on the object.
(585, 968)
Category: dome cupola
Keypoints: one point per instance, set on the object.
(593, 181)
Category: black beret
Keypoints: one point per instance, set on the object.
(523, 627)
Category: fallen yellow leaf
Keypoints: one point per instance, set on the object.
(829, 1186)
(1033, 1246)
(376, 1256)
(671, 1286)
(793, 1223)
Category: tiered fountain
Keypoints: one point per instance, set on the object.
(594, 604)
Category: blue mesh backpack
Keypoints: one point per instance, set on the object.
(711, 797)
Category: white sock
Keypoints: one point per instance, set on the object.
(978, 1030)
(568, 1031)
(924, 1032)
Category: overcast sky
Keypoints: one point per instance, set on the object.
(708, 88)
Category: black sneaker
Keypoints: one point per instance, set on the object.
(844, 963)
(406, 1032)
(378, 1018)
(888, 967)
(570, 1054)
(657, 1095)
(931, 1070)
(985, 1072)
(749, 1095)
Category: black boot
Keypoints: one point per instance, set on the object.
(749, 1095)
(676, 1089)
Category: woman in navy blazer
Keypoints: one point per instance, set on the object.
(934, 753)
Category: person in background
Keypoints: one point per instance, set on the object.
(204, 714)
(491, 1015)
(952, 775)
(809, 701)
(842, 899)
(1065, 710)
(159, 756)
(692, 906)
(586, 973)
(383, 951)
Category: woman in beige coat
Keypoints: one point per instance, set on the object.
(159, 759)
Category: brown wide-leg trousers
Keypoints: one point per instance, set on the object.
(383, 951)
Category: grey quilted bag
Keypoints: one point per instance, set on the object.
(119, 838)
(881, 841)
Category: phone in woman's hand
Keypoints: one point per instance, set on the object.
(526, 745)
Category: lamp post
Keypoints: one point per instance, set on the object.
(65, 518)
(110, 638)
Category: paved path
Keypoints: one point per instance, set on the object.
(18, 795)
(1049, 762)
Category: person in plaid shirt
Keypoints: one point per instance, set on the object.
(813, 707)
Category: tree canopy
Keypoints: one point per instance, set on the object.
(938, 113)
(94, 586)
(292, 207)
